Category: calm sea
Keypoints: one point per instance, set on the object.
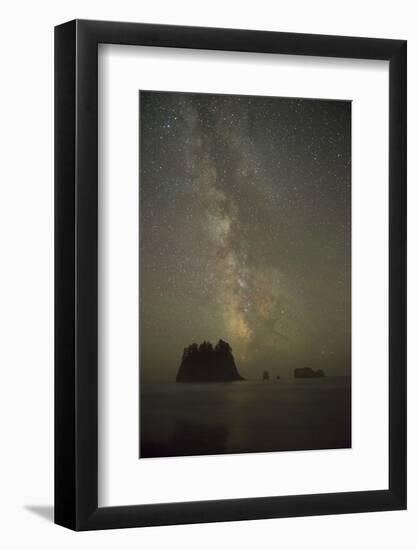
(250, 416)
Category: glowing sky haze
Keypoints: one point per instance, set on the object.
(245, 209)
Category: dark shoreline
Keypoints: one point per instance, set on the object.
(245, 417)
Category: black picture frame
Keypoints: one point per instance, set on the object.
(76, 272)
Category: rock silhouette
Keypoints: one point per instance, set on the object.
(203, 363)
(306, 372)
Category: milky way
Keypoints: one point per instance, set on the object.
(245, 231)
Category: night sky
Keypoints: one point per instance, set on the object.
(245, 210)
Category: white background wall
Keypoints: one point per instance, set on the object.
(26, 272)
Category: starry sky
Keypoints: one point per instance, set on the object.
(245, 231)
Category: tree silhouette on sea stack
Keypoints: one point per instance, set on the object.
(203, 363)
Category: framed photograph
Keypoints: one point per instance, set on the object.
(230, 254)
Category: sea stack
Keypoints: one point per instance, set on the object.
(306, 372)
(205, 363)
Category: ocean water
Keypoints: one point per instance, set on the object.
(248, 416)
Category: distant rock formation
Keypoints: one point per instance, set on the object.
(265, 375)
(306, 372)
(203, 363)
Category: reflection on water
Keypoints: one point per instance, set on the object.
(216, 418)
